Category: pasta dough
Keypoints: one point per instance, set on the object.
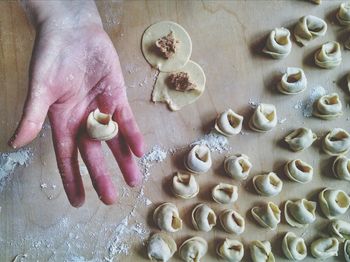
(184, 185)
(300, 213)
(193, 249)
(341, 168)
(324, 248)
(231, 250)
(298, 171)
(343, 14)
(264, 118)
(224, 193)
(336, 142)
(229, 123)
(278, 44)
(347, 250)
(294, 247)
(267, 185)
(329, 55)
(166, 217)
(293, 81)
(328, 107)
(308, 28)
(237, 166)
(260, 251)
(333, 202)
(300, 139)
(340, 229)
(183, 48)
(267, 215)
(203, 218)
(198, 159)
(161, 247)
(232, 222)
(100, 126)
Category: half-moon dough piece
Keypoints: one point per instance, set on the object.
(182, 54)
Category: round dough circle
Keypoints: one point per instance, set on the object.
(159, 30)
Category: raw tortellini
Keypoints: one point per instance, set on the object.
(161, 247)
(278, 44)
(333, 202)
(198, 159)
(166, 217)
(300, 139)
(336, 142)
(100, 126)
(230, 250)
(329, 55)
(328, 107)
(299, 171)
(184, 185)
(293, 81)
(264, 118)
(203, 218)
(300, 213)
(340, 229)
(267, 215)
(193, 249)
(260, 251)
(294, 247)
(324, 248)
(308, 28)
(267, 185)
(232, 221)
(237, 166)
(343, 14)
(347, 250)
(341, 168)
(229, 123)
(224, 193)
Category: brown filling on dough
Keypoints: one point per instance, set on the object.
(181, 82)
(167, 45)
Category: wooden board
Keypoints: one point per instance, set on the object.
(227, 38)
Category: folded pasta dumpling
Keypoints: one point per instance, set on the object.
(299, 171)
(166, 217)
(300, 139)
(260, 251)
(184, 185)
(161, 247)
(293, 81)
(230, 250)
(267, 215)
(264, 118)
(300, 213)
(278, 44)
(101, 126)
(203, 218)
(237, 166)
(329, 55)
(328, 107)
(224, 193)
(341, 168)
(343, 14)
(324, 248)
(347, 250)
(308, 28)
(294, 247)
(232, 222)
(267, 185)
(333, 202)
(229, 123)
(198, 159)
(336, 142)
(340, 229)
(193, 249)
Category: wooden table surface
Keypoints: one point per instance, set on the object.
(227, 38)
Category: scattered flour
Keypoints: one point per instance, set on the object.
(214, 142)
(282, 120)
(156, 155)
(315, 93)
(252, 103)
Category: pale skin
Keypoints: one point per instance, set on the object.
(74, 69)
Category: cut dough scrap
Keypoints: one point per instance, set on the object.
(308, 28)
(232, 222)
(161, 247)
(182, 54)
(328, 107)
(299, 171)
(268, 185)
(341, 168)
(229, 123)
(267, 215)
(237, 166)
(300, 213)
(198, 159)
(278, 44)
(336, 142)
(294, 248)
(184, 185)
(193, 249)
(300, 139)
(166, 217)
(163, 91)
(347, 250)
(293, 81)
(224, 193)
(264, 118)
(100, 126)
(340, 229)
(230, 250)
(260, 251)
(343, 14)
(333, 202)
(329, 55)
(203, 218)
(324, 248)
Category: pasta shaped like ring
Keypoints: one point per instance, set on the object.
(293, 81)
(329, 55)
(300, 213)
(232, 221)
(336, 142)
(278, 44)
(166, 217)
(341, 168)
(230, 250)
(237, 166)
(324, 248)
(343, 14)
(267, 215)
(229, 123)
(260, 251)
(264, 118)
(203, 218)
(198, 159)
(193, 249)
(328, 107)
(224, 193)
(333, 202)
(308, 28)
(300, 139)
(100, 126)
(184, 185)
(161, 247)
(340, 229)
(294, 247)
(298, 171)
(267, 185)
